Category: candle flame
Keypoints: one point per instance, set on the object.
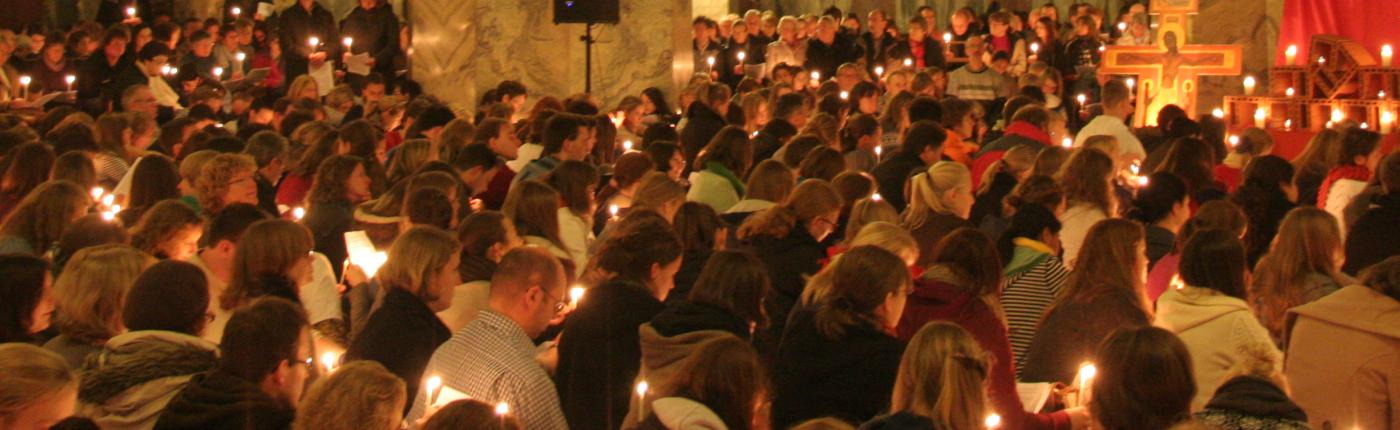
(237, 11)
(348, 41)
(576, 294)
(314, 42)
(298, 213)
(845, 95)
(108, 199)
(69, 79)
(908, 62)
(1087, 371)
(502, 408)
(97, 193)
(612, 210)
(1234, 141)
(1218, 113)
(642, 388)
(876, 197)
(879, 70)
(993, 421)
(330, 360)
(1067, 142)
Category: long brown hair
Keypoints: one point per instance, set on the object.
(1106, 265)
(770, 180)
(1144, 380)
(941, 376)
(812, 198)
(91, 292)
(725, 375)
(162, 223)
(359, 395)
(853, 286)
(1085, 179)
(1307, 243)
(572, 179)
(972, 257)
(534, 208)
(268, 248)
(331, 182)
(43, 215)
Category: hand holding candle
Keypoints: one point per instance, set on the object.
(433, 386)
(24, 86)
(69, 80)
(1085, 379)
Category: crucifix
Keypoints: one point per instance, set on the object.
(1167, 71)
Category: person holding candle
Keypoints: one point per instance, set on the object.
(1360, 154)
(36, 224)
(705, 44)
(375, 31)
(418, 278)
(135, 374)
(53, 65)
(1253, 143)
(920, 46)
(265, 359)
(527, 291)
(829, 48)
(722, 385)
(1116, 100)
(296, 26)
(359, 395)
(99, 71)
(230, 55)
(149, 70)
(1162, 207)
(1126, 396)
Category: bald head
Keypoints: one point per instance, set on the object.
(528, 288)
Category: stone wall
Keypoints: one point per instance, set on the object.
(1252, 24)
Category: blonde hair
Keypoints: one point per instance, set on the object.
(415, 256)
(812, 198)
(31, 374)
(655, 189)
(408, 157)
(300, 84)
(1103, 142)
(1308, 240)
(1085, 179)
(927, 190)
(215, 176)
(849, 291)
(941, 376)
(193, 165)
(45, 213)
(90, 293)
(161, 223)
(825, 127)
(359, 395)
(868, 211)
(1015, 162)
(888, 236)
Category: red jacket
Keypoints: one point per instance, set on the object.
(936, 299)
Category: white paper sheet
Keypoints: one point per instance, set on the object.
(358, 64)
(1034, 395)
(265, 9)
(324, 77)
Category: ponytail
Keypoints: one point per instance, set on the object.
(961, 398)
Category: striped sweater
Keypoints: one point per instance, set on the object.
(1031, 282)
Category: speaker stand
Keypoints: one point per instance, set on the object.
(588, 42)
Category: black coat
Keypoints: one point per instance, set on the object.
(94, 75)
(1376, 236)
(702, 125)
(691, 265)
(772, 137)
(376, 31)
(826, 58)
(989, 203)
(295, 28)
(788, 259)
(933, 52)
(328, 223)
(1265, 209)
(849, 378)
(877, 51)
(222, 401)
(401, 335)
(891, 174)
(686, 317)
(600, 353)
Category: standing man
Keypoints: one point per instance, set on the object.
(296, 26)
(375, 31)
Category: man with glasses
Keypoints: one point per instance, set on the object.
(264, 364)
(492, 358)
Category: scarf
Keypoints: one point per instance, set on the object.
(1029, 131)
(1352, 172)
(724, 172)
(1027, 254)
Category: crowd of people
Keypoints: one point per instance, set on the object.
(846, 222)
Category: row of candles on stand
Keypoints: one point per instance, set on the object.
(1291, 56)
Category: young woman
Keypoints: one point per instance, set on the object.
(1360, 154)
(1341, 337)
(339, 186)
(702, 233)
(1086, 179)
(1312, 166)
(418, 280)
(75, 167)
(868, 211)
(622, 189)
(28, 165)
(940, 202)
(360, 395)
(769, 183)
(136, 373)
(822, 163)
(408, 158)
(1303, 265)
(726, 306)
(1162, 207)
(1032, 274)
(486, 236)
(1102, 294)
(718, 171)
(1210, 310)
(847, 326)
(38, 222)
(170, 230)
(789, 238)
(227, 179)
(320, 141)
(577, 182)
(941, 378)
(961, 286)
(859, 142)
(722, 385)
(599, 349)
(999, 179)
(1217, 214)
(1036, 189)
(1192, 160)
(1266, 195)
(40, 389)
(367, 143)
(89, 297)
(1253, 143)
(1125, 396)
(154, 179)
(534, 209)
(28, 306)
(272, 258)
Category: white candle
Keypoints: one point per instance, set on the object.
(298, 213)
(349, 41)
(1261, 117)
(576, 293)
(1067, 143)
(24, 86)
(70, 79)
(1249, 85)
(642, 396)
(330, 360)
(236, 11)
(845, 95)
(1218, 113)
(131, 12)
(1387, 54)
(1289, 92)
(433, 386)
(993, 421)
(741, 56)
(948, 42)
(612, 210)
(877, 151)
(879, 70)
(1387, 122)
(1291, 55)
(908, 62)
(1087, 371)
(502, 409)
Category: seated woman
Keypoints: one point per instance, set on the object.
(40, 390)
(940, 381)
(1032, 275)
(170, 230)
(339, 185)
(1302, 266)
(1266, 196)
(1162, 207)
(89, 296)
(38, 222)
(721, 384)
(28, 306)
(840, 343)
(940, 201)
(1144, 380)
(719, 167)
(361, 392)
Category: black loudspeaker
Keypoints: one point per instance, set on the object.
(586, 11)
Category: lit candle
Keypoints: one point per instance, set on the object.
(108, 200)
(1142, 181)
(1321, 60)
(877, 151)
(502, 409)
(741, 56)
(116, 208)
(349, 41)
(314, 42)
(1177, 283)
(298, 213)
(1289, 92)
(1218, 113)
(576, 294)
(1122, 26)
(626, 146)
(108, 216)
(1234, 141)
(816, 76)
(1067, 143)
(70, 79)
(130, 12)
(433, 386)
(1287, 124)
(1380, 95)
(174, 71)
(948, 42)
(1338, 115)
(236, 11)
(876, 197)
(1261, 117)
(1087, 371)
(1102, 48)
(330, 360)
(879, 70)
(97, 193)
(1035, 48)
(165, 70)
(240, 57)
(1249, 85)
(1387, 122)
(908, 62)
(1365, 126)
(1081, 98)
(711, 62)
(993, 421)
(642, 395)
(24, 86)
(1291, 55)
(1387, 54)
(1132, 83)
(845, 95)
(612, 211)
(218, 73)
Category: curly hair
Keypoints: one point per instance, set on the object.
(215, 176)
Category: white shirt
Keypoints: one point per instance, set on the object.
(165, 96)
(1075, 224)
(527, 153)
(1105, 125)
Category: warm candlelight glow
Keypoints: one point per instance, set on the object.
(108, 199)
(1087, 372)
(845, 95)
(240, 56)
(947, 37)
(816, 76)
(130, 12)
(576, 294)
(1122, 26)
(502, 408)
(994, 420)
(348, 42)
(1035, 48)
(1249, 85)
(626, 146)
(1387, 122)
(1338, 115)
(236, 11)
(1132, 83)
(642, 388)
(314, 42)
(298, 213)
(330, 360)
(1387, 54)
(97, 193)
(1142, 181)
(1287, 124)
(612, 210)
(876, 197)
(1365, 126)
(1218, 113)
(1289, 92)
(1261, 117)
(1067, 142)
(1321, 60)
(433, 386)
(879, 70)
(877, 151)
(710, 61)
(218, 72)
(1081, 98)
(908, 62)
(1380, 94)
(741, 56)
(69, 79)
(1291, 55)
(1234, 141)
(25, 80)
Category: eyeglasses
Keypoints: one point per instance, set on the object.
(309, 362)
(559, 303)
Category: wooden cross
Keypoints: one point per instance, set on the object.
(1167, 71)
